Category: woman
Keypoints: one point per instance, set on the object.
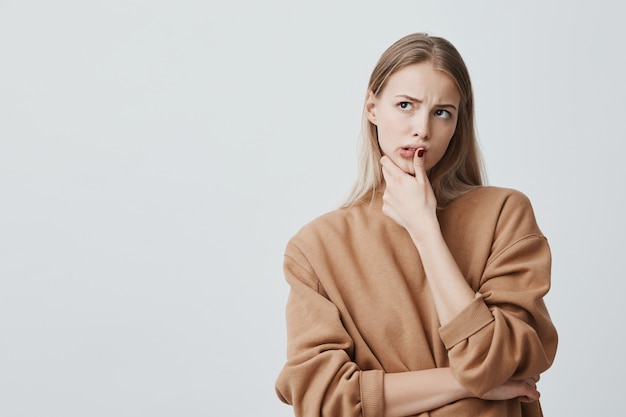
(423, 294)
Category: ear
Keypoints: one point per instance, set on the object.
(370, 107)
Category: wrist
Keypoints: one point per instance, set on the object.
(424, 231)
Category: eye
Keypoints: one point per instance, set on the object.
(444, 114)
(405, 105)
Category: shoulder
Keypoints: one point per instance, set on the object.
(489, 195)
(318, 229)
(494, 202)
(337, 227)
(323, 224)
(503, 210)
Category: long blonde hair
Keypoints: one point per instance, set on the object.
(460, 169)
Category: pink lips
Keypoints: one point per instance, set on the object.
(409, 153)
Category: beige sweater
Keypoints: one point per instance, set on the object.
(360, 306)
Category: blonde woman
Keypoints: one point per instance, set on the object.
(423, 294)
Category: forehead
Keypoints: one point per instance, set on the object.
(423, 79)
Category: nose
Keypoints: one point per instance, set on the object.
(421, 126)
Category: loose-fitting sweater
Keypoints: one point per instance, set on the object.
(360, 306)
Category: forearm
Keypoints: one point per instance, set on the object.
(449, 288)
(409, 393)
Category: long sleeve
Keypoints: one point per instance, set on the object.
(319, 377)
(360, 306)
(506, 332)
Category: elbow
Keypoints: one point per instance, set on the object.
(481, 365)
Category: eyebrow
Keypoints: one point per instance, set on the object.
(409, 98)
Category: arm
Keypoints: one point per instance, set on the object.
(411, 203)
(410, 393)
(320, 377)
(501, 332)
(517, 337)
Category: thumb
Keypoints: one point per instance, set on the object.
(418, 162)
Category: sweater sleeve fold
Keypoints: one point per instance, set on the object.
(519, 339)
(471, 320)
(319, 377)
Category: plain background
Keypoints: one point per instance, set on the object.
(156, 156)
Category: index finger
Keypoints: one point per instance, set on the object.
(418, 164)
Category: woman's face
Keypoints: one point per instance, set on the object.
(418, 108)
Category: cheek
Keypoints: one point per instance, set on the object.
(385, 132)
(392, 128)
(445, 145)
(446, 136)
(442, 147)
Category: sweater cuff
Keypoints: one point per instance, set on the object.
(469, 321)
(372, 403)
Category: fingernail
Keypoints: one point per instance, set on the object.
(420, 152)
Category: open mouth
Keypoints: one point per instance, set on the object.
(408, 152)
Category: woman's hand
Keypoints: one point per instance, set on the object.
(411, 203)
(409, 200)
(524, 390)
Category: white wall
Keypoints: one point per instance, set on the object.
(156, 156)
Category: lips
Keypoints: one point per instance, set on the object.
(408, 152)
